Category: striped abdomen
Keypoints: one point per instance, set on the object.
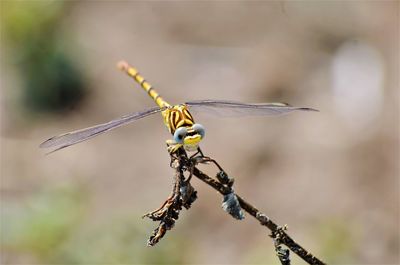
(132, 72)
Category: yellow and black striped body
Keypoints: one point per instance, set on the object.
(177, 116)
(132, 72)
(174, 116)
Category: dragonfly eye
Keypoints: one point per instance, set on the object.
(180, 134)
(198, 128)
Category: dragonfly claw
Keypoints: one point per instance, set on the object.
(172, 146)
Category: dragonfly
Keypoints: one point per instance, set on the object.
(178, 119)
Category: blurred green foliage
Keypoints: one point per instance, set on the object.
(52, 227)
(35, 45)
(338, 240)
(42, 222)
(263, 253)
(121, 241)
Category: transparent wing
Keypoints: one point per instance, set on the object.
(233, 108)
(71, 138)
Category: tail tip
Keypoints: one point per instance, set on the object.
(122, 65)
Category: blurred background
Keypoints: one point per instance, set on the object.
(332, 176)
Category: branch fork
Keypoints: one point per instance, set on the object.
(183, 195)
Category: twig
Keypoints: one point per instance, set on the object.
(184, 195)
(278, 233)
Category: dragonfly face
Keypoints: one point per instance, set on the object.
(190, 136)
(181, 125)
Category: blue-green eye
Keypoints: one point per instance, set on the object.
(180, 134)
(198, 128)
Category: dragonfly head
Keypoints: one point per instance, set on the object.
(189, 136)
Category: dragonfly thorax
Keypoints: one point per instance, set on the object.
(177, 116)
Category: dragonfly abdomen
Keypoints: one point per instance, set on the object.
(132, 72)
(174, 116)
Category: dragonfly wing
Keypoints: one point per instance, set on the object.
(234, 108)
(71, 138)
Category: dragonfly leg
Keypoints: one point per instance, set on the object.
(190, 175)
(205, 160)
(222, 176)
(174, 158)
(199, 153)
(172, 146)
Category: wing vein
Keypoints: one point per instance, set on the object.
(234, 108)
(74, 137)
